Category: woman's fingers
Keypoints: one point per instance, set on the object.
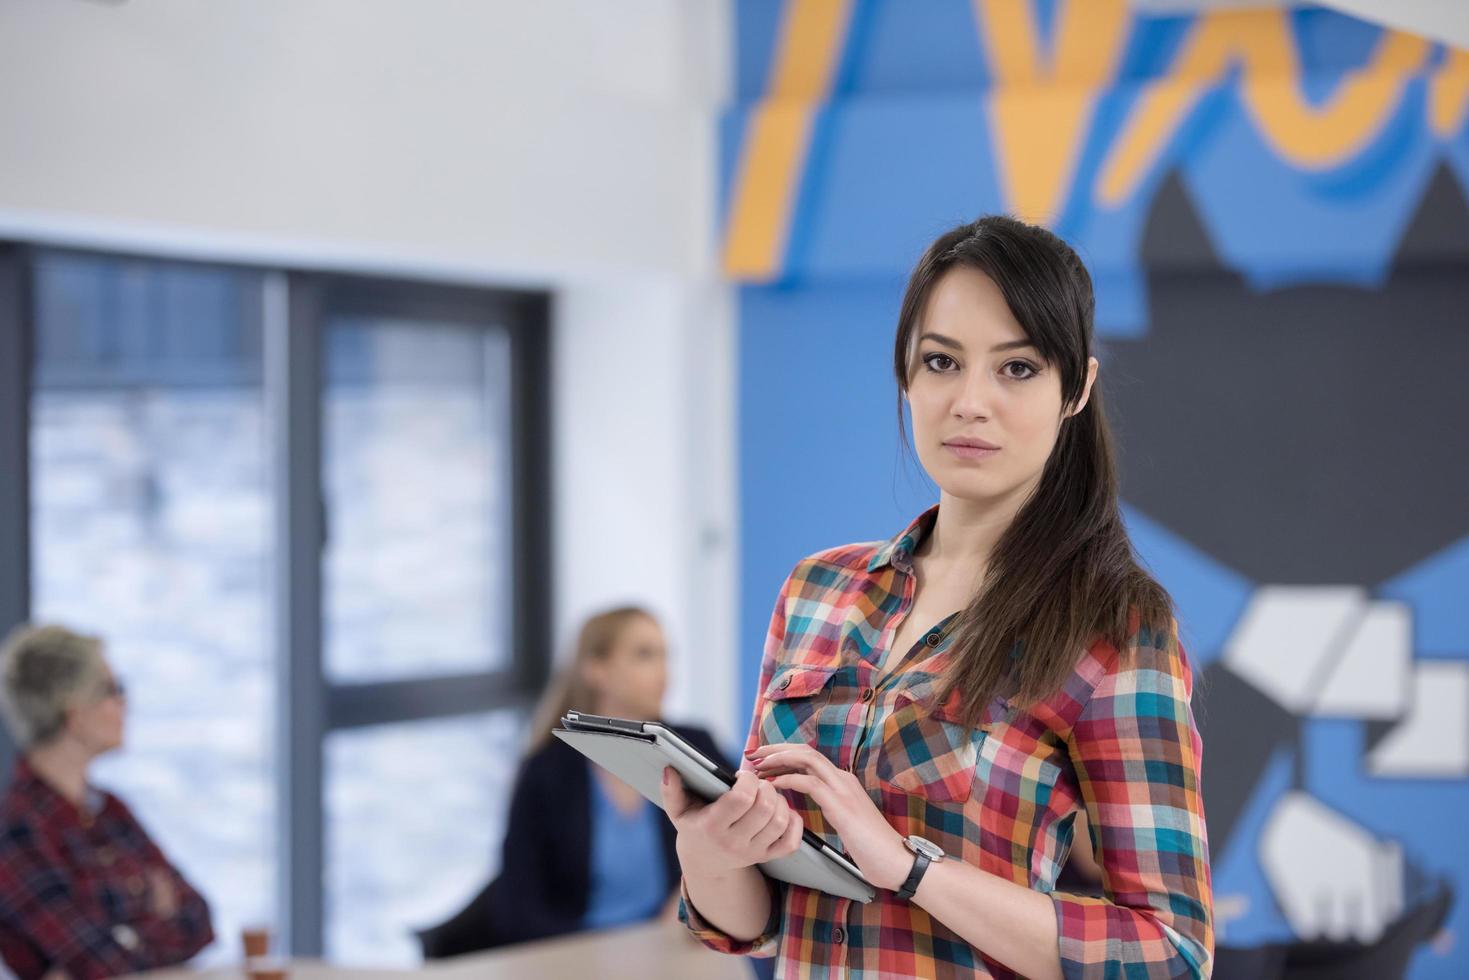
(794, 750)
(767, 804)
(800, 782)
(789, 841)
(732, 806)
(676, 800)
(773, 830)
(794, 758)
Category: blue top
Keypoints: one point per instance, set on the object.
(628, 876)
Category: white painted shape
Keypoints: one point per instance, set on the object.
(1373, 677)
(1433, 741)
(1331, 877)
(1286, 638)
(1437, 20)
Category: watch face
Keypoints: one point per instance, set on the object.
(927, 847)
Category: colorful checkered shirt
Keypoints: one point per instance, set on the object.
(1118, 738)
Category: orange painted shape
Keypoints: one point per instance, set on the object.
(1147, 132)
(1041, 108)
(1305, 135)
(1448, 94)
(776, 142)
(778, 138)
(1327, 136)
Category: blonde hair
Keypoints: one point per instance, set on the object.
(569, 690)
(45, 669)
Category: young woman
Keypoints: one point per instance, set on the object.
(583, 850)
(84, 891)
(947, 702)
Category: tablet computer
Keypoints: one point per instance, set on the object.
(637, 751)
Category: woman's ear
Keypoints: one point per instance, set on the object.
(1092, 367)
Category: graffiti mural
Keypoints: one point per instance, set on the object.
(1273, 204)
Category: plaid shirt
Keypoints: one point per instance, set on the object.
(74, 890)
(1118, 739)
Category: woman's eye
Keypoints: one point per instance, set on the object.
(1026, 370)
(938, 362)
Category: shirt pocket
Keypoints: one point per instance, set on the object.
(793, 702)
(927, 750)
(1015, 771)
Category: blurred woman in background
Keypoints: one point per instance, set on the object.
(84, 891)
(583, 850)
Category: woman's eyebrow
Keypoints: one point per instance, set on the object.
(939, 338)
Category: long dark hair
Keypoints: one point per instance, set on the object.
(1064, 573)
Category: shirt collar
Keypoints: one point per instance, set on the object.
(899, 550)
(30, 784)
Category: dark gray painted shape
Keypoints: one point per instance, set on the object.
(1310, 434)
(1241, 729)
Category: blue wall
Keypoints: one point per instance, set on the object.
(1229, 230)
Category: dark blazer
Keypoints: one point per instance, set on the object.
(545, 871)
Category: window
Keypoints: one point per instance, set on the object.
(308, 513)
(418, 484)
(150, 526)
(415, 815)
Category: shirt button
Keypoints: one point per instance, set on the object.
(838, 936)
(867, 694)
(934, 639)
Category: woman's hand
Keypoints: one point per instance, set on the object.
(749, 824)
(871, 841)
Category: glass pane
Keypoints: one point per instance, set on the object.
(415, 813)
(151, 527)
(417, 480)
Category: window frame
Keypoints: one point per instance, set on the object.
(295, 307)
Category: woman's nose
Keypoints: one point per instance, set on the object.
(974, 398)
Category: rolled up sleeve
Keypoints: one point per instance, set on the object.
(1136, 751)
(716, 939)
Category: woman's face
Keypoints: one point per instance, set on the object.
(986, 409)
(631, 677)
(97, 716)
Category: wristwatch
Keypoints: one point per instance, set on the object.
(925, 852)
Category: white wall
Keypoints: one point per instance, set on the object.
(645, 476)
(562, 136)
(567, 144)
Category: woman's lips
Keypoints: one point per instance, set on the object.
(970, 452)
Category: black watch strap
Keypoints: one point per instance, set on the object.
(920, 865)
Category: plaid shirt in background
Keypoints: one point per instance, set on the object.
(1118, 739)
(74, 890)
